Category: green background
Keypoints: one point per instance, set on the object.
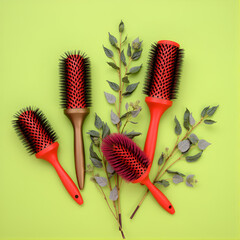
(33, 203)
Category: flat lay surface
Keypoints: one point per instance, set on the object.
(34, 34)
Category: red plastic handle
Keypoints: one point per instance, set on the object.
(156, 107)
(50, 154)
(159, 196)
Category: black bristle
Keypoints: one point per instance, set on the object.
(32, 144)
(63, 78)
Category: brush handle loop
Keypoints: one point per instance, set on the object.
(156, 107)
(159, 196)
(77, 117)
(50, 154)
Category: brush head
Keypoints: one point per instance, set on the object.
(33, 129)
(75, 84)
(126, 158)
(163, 72)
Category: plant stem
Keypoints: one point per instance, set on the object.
(159, 175)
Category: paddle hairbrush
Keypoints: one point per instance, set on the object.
(131, 163)
(40, 139)
(161, 86)
(75, 99)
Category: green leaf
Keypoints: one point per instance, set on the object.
(134, 69)
(212, 110)
(106, 130)
(108, 52)
(121, 26)
(161, 159)
(194, 158)
(122, 56)
(186, 119)
(203, 144)
(191, 120)
(175, 172)
(113, 65)
(204, 111)
(209, 121)
(184, 146)
(93, 133)
(177, 179)
(112, 40)
(163, 182)
(125, 79)
(114, 194)
(110, 98)
(114, 118)
(178, 128)
(136, 55)
(98, 122)
(193, 138)
(113, 86)
(132, 134)
(101, 181)
(129, 52)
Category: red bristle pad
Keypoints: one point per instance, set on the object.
(164, 70)
(33, 131)
(75, 82)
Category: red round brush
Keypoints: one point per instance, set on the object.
(131, 163)
(161, 86)
(75, 99)
(40, 139)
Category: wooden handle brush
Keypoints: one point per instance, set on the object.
(75, 99)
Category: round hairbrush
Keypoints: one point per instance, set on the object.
(132, 164)
(40, 139)
(75, 100)
(161, 85)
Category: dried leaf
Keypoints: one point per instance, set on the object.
(136, 44)
(126, 106)
(93, 133)
(114, 118)
(129, 52)
(95, 140)
(98, 122)
(108, 52)
(110, 168)
(186, 119)
(134, 69)
(184, 146)
(110, 98)
(132, 134)
(161, 159)
(101, 181)
(203, 144)
(123, 58)
(163, 182)
(193, 138)
(112, 40)
(189, 180)
(106, 131)
(113, 86)
(96, 163)
(175, 172)
(113, 65)
(177, 179)
(191, 120)
(89, 168)
(125, 39)
(135, 113)
(130, 88)
(212, 110)
(125, 79)
(136, 55)
(209, 121)
(204, 111)
(93, 154)
(194, 158)
(178, 128)
(114, 194)
(133, 122)
(121, 26)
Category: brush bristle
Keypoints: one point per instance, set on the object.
(126, 158)
(163, 74)
(75, 83)
(33, 129)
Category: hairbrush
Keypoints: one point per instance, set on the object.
(40, 139)
(75, 100)
(131, 163)
(161, 85)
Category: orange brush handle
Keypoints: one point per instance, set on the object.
(50, 154)
(159, 196)
(156, 107)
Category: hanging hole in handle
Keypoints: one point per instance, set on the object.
(170, 206)
(76, 196)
